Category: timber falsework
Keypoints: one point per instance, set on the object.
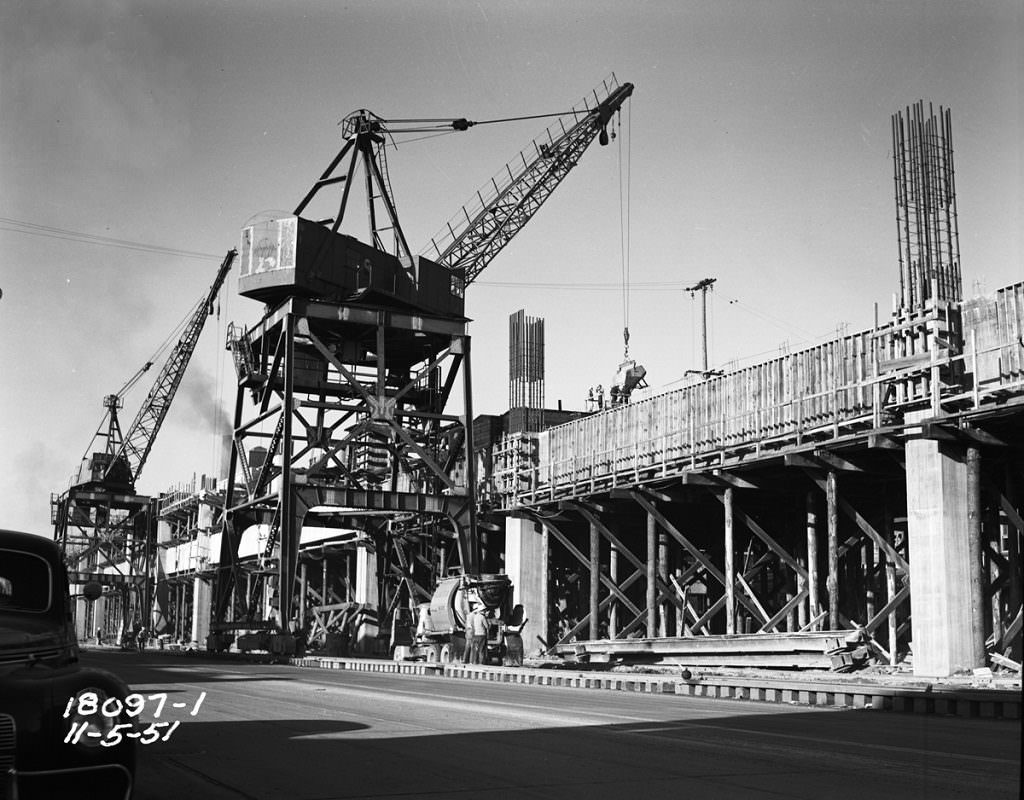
(773, 499)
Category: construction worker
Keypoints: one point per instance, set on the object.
(471, 647)
(480, 626)
(514, 637)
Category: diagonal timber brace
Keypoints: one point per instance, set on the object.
(575, 552)
(664, 590)
(865, 527)
(694, 551)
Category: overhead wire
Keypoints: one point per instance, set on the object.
(787, 326)
(175, 332)
(598, 286)
(649, 286)
(53, 232)
(624, 234)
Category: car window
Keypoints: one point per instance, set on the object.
(26, 582)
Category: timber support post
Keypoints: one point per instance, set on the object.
(663, 609)
(652, 560)
(833, 550)
(976, 551)
(730, 567)
(613, 608)
(813, 593)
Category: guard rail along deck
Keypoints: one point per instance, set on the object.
(953, 358)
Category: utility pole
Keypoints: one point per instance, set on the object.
(702, 287)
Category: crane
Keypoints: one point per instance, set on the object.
(124, 455)
(104, 529)
(114, 472)
(499, 210)
(483, 229)
(328, 300)
(138, 440)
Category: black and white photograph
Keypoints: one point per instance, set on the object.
(460, 399)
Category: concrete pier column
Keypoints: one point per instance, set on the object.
(81, 618)
(526, 564)
(99, 614)
(365, 635)
(941, 564)
(202, 595)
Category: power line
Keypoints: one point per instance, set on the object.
(624, 231)
(649, 286)
(784, 324)
(49, 231)
(52, 232)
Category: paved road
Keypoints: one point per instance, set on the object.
(280, 732)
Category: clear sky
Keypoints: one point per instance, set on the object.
(758, 153)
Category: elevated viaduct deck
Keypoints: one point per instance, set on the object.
(797, 494)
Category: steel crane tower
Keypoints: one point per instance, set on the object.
(342, 415)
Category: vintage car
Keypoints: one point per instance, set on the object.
(61, 725)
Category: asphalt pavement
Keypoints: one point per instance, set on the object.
(270, 731)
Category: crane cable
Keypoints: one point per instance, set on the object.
(624, 198)
(220, 383)
(461, 123)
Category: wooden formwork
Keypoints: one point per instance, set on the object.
(772, 500)
(948, 357)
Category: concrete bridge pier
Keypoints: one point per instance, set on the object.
(366, 593)
(948, 634)
(526, 564)
(202, 597)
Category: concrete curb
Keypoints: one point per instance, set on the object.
(368, 665)
(983, 703)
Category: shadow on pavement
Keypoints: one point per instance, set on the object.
(706, 749)
(792, 754)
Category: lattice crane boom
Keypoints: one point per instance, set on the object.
(139, 438)
(510, 200)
